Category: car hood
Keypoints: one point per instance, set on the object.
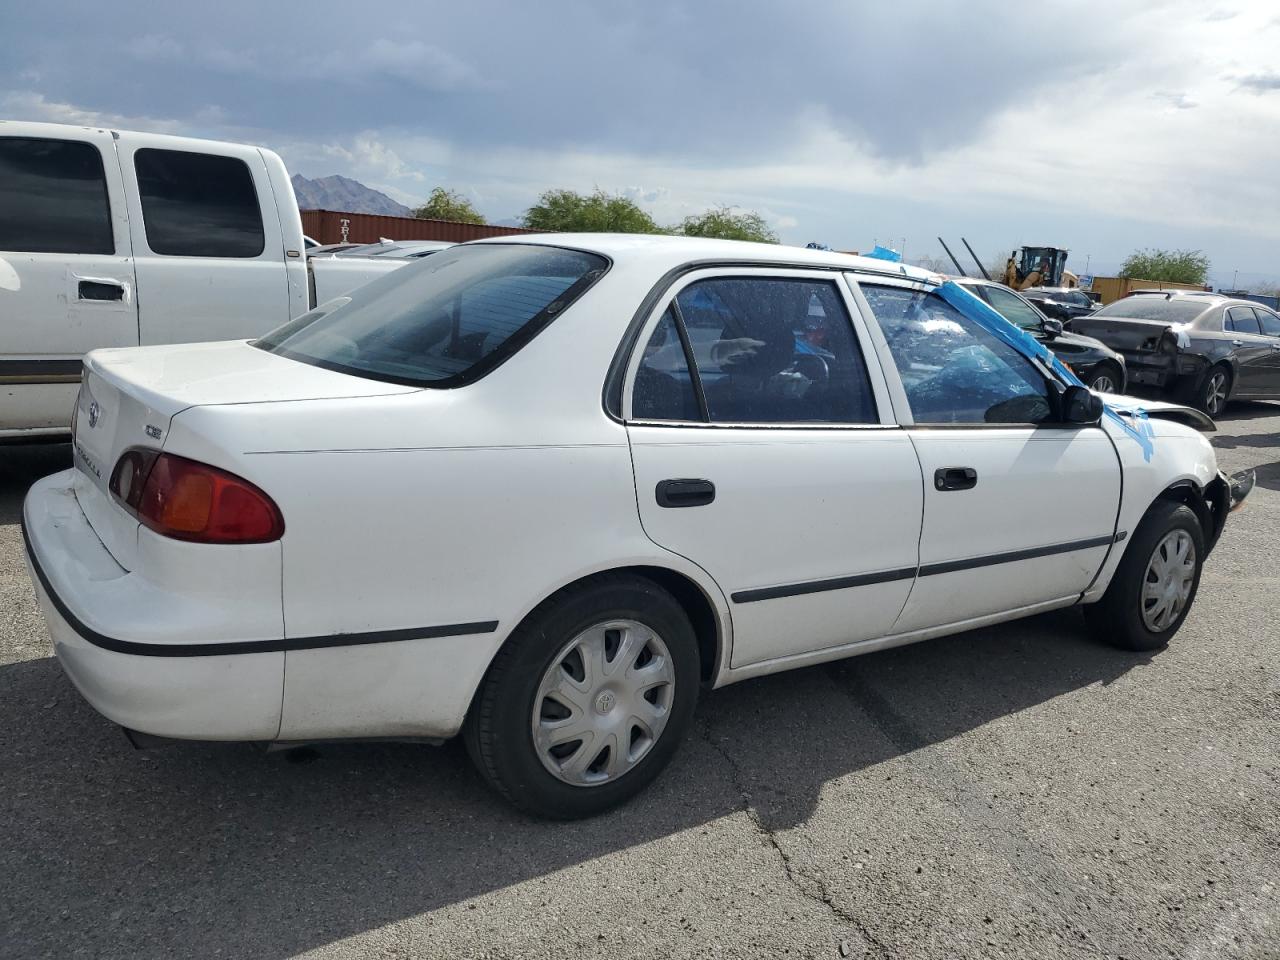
(1079, 340)
(1160, 409)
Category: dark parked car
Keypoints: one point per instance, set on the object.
(1204, 348)
(1100, 367)
(1061, 303)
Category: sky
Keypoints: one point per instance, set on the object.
(1097, 126)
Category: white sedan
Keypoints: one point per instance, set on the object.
(542, 491)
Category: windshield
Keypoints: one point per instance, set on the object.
(444, 320)
(1173, 310)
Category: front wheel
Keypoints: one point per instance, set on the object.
(1155, 583)
(1104, 378)
(588, 700)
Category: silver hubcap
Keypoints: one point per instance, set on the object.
(1167, 586)
(1215, 394)
(603, 703)
(1103, 384)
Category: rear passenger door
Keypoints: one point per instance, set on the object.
(1019, 512)
(66, 274)
(765, 451)
(210, 258)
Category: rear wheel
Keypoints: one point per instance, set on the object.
(588, 700)
(1155, 583)
(1105, 377)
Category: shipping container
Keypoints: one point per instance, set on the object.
(335, 226)
(1112, 289)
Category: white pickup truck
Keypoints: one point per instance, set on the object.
(113, 239)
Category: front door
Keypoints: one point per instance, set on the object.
(1018, 512)
(66, 274)
(1252, 352)
(1271, 331)
(764, 452)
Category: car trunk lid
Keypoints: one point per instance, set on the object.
(129, 397)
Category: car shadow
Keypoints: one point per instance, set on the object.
(1248, 410)
(258, 855)
(22, 465)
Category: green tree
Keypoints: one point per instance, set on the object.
(448, 205)
(724, 224)
(1171, 266)
(599, 212)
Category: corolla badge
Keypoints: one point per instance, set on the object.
(95, 414)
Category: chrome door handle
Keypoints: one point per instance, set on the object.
(1237, 343)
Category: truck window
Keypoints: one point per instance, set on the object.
(53, 197)
(198, 205)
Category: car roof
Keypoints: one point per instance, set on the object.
(673, 252)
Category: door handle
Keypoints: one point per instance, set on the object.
(955, 478)
(1237, 343)
(90, 288)
(685, 493)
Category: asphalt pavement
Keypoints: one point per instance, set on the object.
(1011, 792)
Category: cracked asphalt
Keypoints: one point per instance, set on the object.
(1010, 792)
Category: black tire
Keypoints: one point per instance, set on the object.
(1216, 380)
(1108, 370)
(498, 733)
(1117, 618)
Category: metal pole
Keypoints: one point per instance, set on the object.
(959, 269)
(975, 258)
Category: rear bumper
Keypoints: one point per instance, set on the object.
(104, 623)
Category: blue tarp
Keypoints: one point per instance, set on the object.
(884, 253)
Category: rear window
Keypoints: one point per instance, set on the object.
(445, 320)
(1155, 308)
(53, 197)
(198, 205)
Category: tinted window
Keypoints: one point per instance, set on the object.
(1270, 322)
(53, 197)
(775, 351)
(1013, 308)
(664, 387)
(1241, 320)
(952, 369)
(444, 320)
(1155, 308)
(197, 205)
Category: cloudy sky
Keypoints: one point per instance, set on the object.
(1098, 125)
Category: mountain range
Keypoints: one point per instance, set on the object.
(343, 193)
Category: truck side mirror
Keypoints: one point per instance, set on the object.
(1052, 328)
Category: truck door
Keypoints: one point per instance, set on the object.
(66, 269)
(209, 253)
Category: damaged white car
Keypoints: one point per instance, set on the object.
(543, 491)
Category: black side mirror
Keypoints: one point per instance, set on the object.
(1080, 405)
(1052, 328)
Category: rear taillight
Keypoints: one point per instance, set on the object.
(187, 500)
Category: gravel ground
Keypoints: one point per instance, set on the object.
(1010, 792)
